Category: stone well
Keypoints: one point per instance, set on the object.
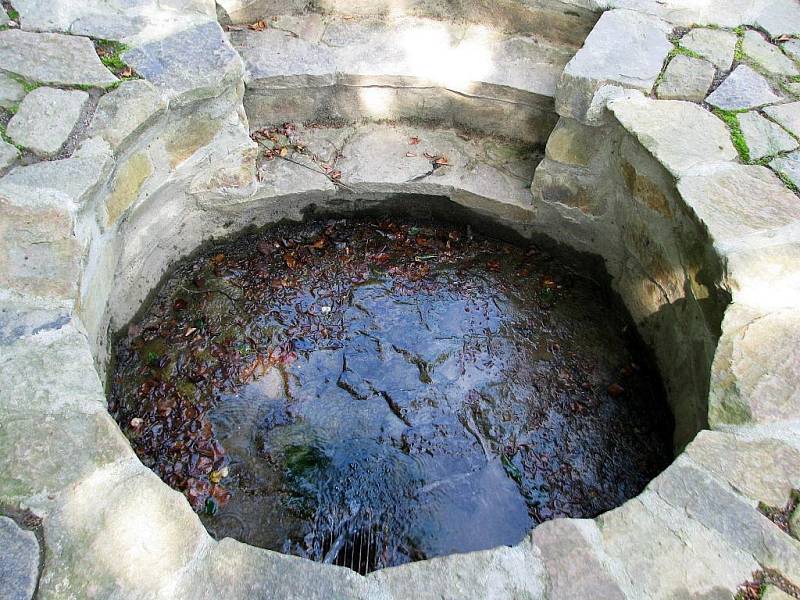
(660, 135)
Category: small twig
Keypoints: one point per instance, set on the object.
(320, 171)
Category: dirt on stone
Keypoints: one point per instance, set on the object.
(373, 392)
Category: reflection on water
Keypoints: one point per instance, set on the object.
(424, 392)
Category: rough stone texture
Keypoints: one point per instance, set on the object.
(129, 179)
(46, 118)
(8, 156)
(234, 570)
(573, 567)
(367, 69)
(788, 166)
(493, 574)
(743, 89)
(662, 553)
(779, 17)
(751, 381)
(787, 115)
(250, 11)
(735, 201)
(189, 65)
(124, 112)
(768, 56)
(11, 91)
(139, 538)
(71, 180)
(626, 49)
(19, 561)
(572, 144)
(680, 135)
(763, 137)
(676, 250)
(52, 58)
(40, 256)
(720, 509)
(772, 592)
(792, 48)
(716, 45)
(763, 470)
(686, 78)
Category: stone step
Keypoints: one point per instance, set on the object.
(328, 69)
(562, 21)
(486, 175)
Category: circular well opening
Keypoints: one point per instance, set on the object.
(381, 389)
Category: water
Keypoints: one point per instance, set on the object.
(369, 393)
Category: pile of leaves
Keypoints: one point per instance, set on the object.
(199, 341)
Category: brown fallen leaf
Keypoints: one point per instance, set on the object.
(414, 141)
(615, 390)
(258, 26)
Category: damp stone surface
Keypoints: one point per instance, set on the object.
(537, 118)
(368, 393)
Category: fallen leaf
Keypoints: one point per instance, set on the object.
(258, 26)
(615, 390)
(414, 141)
(410, 154)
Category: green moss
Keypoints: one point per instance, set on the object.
(738, 53)
(787, 182)
(110, 53)
(683, 51)
(8, 140)
(731, 119)
(27, 86)
(13, 14)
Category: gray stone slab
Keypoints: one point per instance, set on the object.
(396, 53)
(706, 500)
(768, 55)
(779, 17)
(573, 566)
(743, 89)
(661, 554)
(46, 118)
(52, 58)
(716, 45)
(751, 382)
(625, 48)
(764, 470)
(71, 179)
(125, 111)
(787, 115)
(189, 65)
(736, 201)
(788, 166)
(8, 156)
(680, 135)
(772, 592)
(19, 561)
(763, 137)
(792, 48)
(11, 91)
(686, 78)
